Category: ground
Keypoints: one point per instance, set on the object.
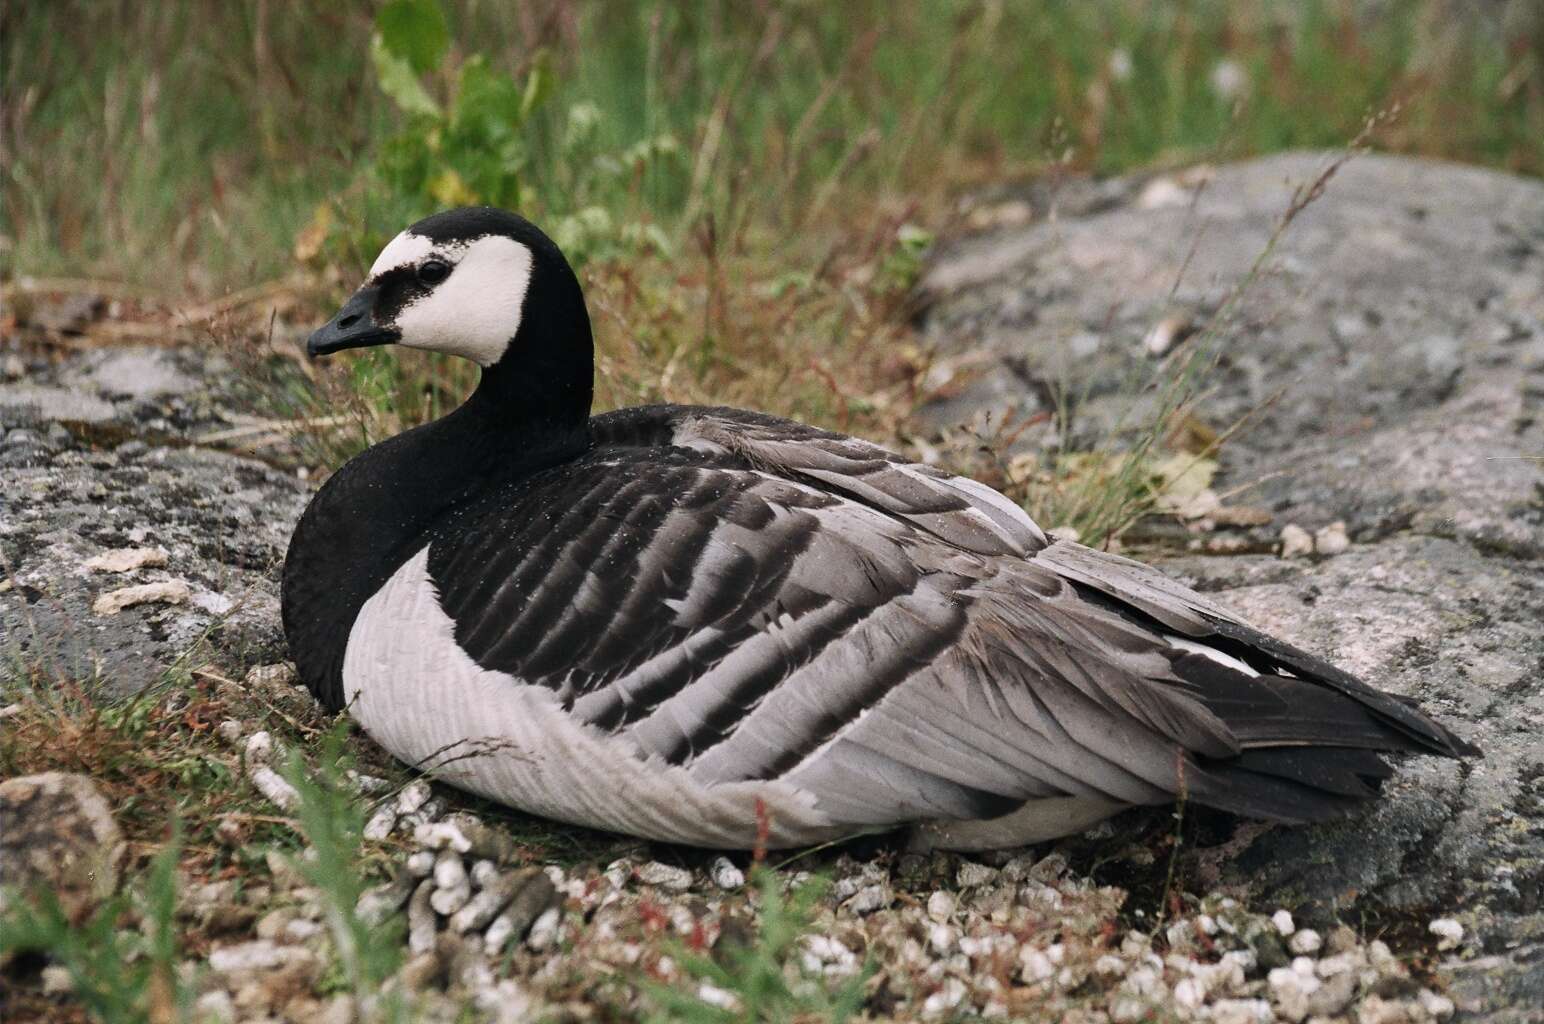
(1384, 355)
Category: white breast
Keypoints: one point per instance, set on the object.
(419, 695)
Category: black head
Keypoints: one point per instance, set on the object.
(476, 282)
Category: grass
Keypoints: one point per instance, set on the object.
(748, 190)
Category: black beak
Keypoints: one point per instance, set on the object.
(353, 327)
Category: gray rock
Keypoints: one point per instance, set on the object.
(1401, 318)
(223, 520)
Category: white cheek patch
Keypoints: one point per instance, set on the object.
(405, 248)
(475, 312)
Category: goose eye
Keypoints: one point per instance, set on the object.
(432, 272)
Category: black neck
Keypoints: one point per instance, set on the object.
(387, 503)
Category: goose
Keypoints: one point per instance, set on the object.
(715, 627)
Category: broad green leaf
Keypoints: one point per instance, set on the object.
(399, 82)
(415, 31)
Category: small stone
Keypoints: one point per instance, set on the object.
(229, 731)
(663, 876)
(1440, 1007)
(448, 901)
(126, 560)
(1332, 539)
(725, 874)
(1290, 991)
(214, 1007)
(57, 980)
(57, 832)
(972, 874)
(1295, 541)
(1304, 942)
(280, 673)
(413, 796)
(941, 905)
(1242, 1011)
(1449, 932)
(482, 908)
(1284, 923)
(421, 971)
(159, 592)
(272, 785)
(421, 925)
(260, 748)
(464, 833)
(536, 893)
(1376, 1010)
(271, 925)
(944, 1001)
(381, 823)
(544, 930)
(377, 904)
(420, 864)
(1333, 996)
(1167, 333)
(482, 872)
(869, 899)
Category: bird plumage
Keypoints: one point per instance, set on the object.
(687, 623)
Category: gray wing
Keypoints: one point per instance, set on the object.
(727, 609)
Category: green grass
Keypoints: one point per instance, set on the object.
(185, 144)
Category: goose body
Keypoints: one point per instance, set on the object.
(712, 626)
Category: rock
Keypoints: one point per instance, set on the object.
(725, 874)
(1449, 932)
(463, 834)
(126, 560)
(664, 876)
(223, 521)
(1295, 541)
(535, 896)
(273, 786)
(57, 833)
(1305, 941)
(159, 592)
(1409, 337)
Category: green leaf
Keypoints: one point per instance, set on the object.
(414, 31)
(399, 82)
(538, 84)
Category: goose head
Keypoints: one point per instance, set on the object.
(483, 284)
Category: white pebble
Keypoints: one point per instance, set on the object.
(1440, 1007)
(544, 931)
(420, 864)
(715, 996)
(949, 995)
(1332, 539)
(1305, 941)
(1283, 922)
(1295, 541)
(381, 823)
(413, 796)
(1290, 991)
(1449, 932)
(941, 905)
(1242, 1011)
(726, 875)
(483, 873)
(259, 748)
(272, 785)
(449, 871)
